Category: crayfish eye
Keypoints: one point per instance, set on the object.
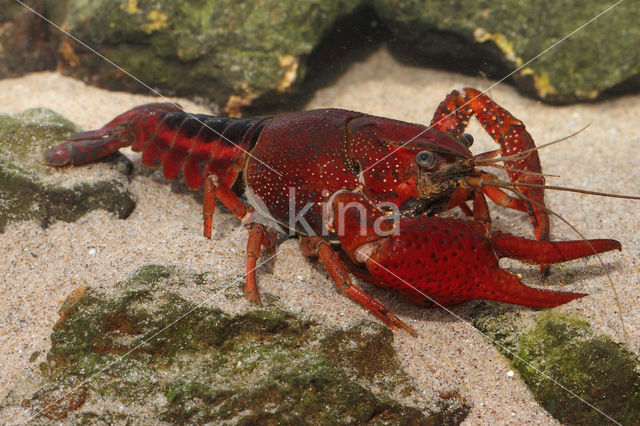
(467, 139)
(425, 159)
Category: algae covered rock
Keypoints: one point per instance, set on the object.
(509, 34)
(163, 347)
(252, 52)
(31, 190)
(258, 52)
(223, 50)
(562, 351)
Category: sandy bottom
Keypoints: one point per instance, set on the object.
(39, 268)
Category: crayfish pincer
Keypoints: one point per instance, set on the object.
(370, 188)
(444, 261)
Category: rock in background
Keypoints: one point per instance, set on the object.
(501, 36)
(226, 51)
(259, 52)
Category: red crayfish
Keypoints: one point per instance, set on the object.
(370, 186)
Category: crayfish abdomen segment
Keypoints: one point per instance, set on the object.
(197, 144)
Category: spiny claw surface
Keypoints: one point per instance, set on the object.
(447, 261)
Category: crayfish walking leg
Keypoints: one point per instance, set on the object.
(259, 235)
(318, 247)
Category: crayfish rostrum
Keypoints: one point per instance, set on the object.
(367, 187)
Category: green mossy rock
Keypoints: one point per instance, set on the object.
(252, 52)
(31, 190)
(227, 51)
(563, 350)
(257, 52)
(161, 347)
(510, 33)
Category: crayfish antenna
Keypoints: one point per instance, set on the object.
(523, 154)
(510, 185)
(511, 169)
